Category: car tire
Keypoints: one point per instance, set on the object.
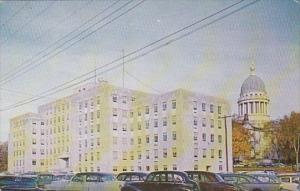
(257, 190)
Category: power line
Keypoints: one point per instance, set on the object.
(171, 34)
(22, 66)
(23, 93)
(80, 39)
(87, 3)
(130, 60)
(29, 21)
(14, 14)
(141, 82)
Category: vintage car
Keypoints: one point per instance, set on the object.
(15, 183)
(290, 181)
(132, 176)
(92, 181)
(250, 183)
(163, 181)
(210, 181)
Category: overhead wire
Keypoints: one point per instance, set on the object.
(165, 37)
(130, 60)
(30, 21)
(82, 38)
(33, 59)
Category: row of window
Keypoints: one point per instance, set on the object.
(141, 168)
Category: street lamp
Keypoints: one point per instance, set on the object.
(226, 139)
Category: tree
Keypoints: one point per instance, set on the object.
(285, 136)
(241, 141)
(3, 156)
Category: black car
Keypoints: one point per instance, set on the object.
(18, 183)
(209, 181)
(132, 176)
(163, 181)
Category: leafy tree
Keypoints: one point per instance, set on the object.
(241, 141)
(285, 137)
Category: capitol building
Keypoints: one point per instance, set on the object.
(253, 104)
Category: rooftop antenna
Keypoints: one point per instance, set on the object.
(123, 72)
(95, 70)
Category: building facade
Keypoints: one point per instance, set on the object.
(253, 104)
(101, 127)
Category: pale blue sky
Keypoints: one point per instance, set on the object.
(214, 60)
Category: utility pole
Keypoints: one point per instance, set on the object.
(226, 138)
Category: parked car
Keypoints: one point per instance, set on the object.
(19, 183)
(163, 181)
(250, 183)
(91, 181)
(290, 181)
(132, 176)
(210, 181)
(267, 178)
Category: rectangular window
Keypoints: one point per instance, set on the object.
(155, 138)
(146, 109)
(212, 153)
(124, 155)
(165, 137)
(203, 107)
(203, 122)
(196, 152)
(219, 124)
(124, 127)
(220, 138)
(174, 135)
(147, 154)
(195, 136)
(195, 121)
(164, 121)
(155, 153)
(164, 106)
(155, 108)
(212, 123)
(195, 106)
(219, 109)
(203, 137)
(147, 124)
(147, 139)
(174, 152)
(204, 153)
(173, 104)
(211, 108)
(165, 153)
(212, 138)
(115, 98)
(220, 154)
(115, 126)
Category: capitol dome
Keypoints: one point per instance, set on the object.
(253, 84)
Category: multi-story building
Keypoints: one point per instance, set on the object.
(3, 156)
(106, 128)
(25, 144)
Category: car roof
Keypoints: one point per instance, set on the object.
(130, 173)
(94, 173)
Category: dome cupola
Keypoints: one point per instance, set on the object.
(253, 84)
